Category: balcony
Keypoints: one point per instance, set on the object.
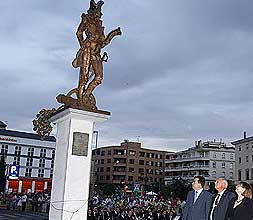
(184, 159)
(119, 164)
(118, 172)
(187, 168)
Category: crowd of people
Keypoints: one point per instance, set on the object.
(199, 205)
(37, 202)
(119, 207)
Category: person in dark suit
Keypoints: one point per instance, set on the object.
(220, 200)
(198, 201)
(241, 207)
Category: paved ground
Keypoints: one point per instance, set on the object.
(14, 215)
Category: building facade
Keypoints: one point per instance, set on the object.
(244, 159)
(35, 159)
(211, 159)
(127, 165)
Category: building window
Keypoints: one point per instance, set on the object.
(132, 153)
(223, 165)
(247, 158)
(109, 152)
(108, 160)
(30, 151)
(16, 161)
(131, 169)
(101, 177)
(28, 172)
(247, 174)
(231, 175)
(214, 155)
(102, 161)
(4, 149)
(103, 153)
(42, 162)
(214, 174)
(29, 162)
(231, 156)
(240, 160)
(223, 156)
(231, 166)
(223, 174)
(130, 178)
(43, 153)
(239, 175)
(142, 154)
(41, 173)
(247, 146)
(240, 148)
(108, 169)
(214, 164)
(17, 150)
(107, 177)
(141, 170)
(52, 164)
(141, 162)
(131, 161)
(51, 173)
(101, 169)
(53, 154)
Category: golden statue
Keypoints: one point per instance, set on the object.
(90, 62)
(88, 58)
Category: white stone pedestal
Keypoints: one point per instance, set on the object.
(70, 187)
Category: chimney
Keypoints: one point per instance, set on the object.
(244, 134)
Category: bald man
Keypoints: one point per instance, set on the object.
(220, 200)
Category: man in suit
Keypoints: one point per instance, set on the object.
(198, 201)
(220, 200)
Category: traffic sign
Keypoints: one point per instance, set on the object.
(14, 172)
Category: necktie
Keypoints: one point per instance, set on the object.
(195, 196)
(215, 203)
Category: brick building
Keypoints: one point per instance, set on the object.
(128, 164)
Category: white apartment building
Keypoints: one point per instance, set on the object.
(244, 159)
(210, 159)
(34, 157)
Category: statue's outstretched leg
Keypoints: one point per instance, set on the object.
(84, 73)
(98, 72)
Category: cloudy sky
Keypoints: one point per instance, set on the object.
(181, 71)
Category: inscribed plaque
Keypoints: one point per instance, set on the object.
(80, 144)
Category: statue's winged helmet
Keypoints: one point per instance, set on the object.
(95, 7)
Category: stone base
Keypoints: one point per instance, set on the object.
(70, 187)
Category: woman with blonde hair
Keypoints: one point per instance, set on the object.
(241, 207)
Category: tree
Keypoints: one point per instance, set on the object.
(109, 189)
(2, 173)
(179, 188)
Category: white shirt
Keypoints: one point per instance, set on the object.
(198, 193)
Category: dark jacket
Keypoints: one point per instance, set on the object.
(200, 209)
(244, 211)
(221, 209)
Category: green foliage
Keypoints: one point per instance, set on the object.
(178, 188)
(109, 189)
